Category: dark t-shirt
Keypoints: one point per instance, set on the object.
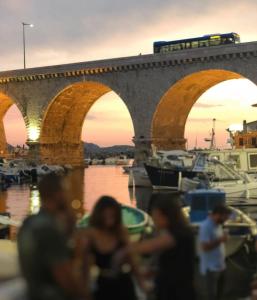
(176, 268)
(42, 245)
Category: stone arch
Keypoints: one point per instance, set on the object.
(5, 103)
(60, 137)
(169, 120)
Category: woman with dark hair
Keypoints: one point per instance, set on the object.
(175, 245)
(107, 237)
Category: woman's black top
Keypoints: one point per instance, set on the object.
(111, 284)
(175, 275)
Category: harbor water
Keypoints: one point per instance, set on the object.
(87, 185)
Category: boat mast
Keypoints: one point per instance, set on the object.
(213, 138)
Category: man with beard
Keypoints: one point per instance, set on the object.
(212, 251)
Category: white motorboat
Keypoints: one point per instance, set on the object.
(45, 169)
(11, 171)
(96, 162)
(138, 177)
(122, 160)
(172, 158)
(214, 174)
(240, 227)
(242, 160)
(87, 162)
(110, 161)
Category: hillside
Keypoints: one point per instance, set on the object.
(92, 150)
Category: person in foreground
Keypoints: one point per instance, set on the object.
(212, 251)
(45, 245)
(176, 248)
(107, 237)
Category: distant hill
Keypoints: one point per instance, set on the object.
(93, 150)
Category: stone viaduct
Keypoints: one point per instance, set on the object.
(159, 91)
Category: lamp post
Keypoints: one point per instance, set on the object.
(24, 42)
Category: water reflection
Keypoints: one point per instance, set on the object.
(34, 200)
(86, 186)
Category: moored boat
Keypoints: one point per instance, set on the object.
(122, 160)
(138, 177)
(167, 178)
(135, 220)
(213, 174)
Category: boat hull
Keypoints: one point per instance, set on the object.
(140, 177)
(135, 220)
(233, 189)
(161, 178)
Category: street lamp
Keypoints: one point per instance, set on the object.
(24, 41)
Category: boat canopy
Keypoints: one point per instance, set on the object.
(220, 171)
(202, 202)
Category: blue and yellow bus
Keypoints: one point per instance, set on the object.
(199, 42)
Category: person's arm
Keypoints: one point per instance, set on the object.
(132, 257)
(207, 243)
(159, 243)
(208, 246)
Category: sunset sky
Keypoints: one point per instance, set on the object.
(71, 31)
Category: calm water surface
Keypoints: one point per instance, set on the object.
(86, 186)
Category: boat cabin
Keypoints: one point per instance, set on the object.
(244, 160)
(202, 202)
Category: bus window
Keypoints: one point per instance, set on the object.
(195, 45)
(176, 47)
(183, 45)
(203, 43)
(188, 45)
(215, 42)
(164, 49)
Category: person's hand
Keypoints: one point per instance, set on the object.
(119, 257)
(145, 285)
(224, 238)
(255, 244)
(254, 289)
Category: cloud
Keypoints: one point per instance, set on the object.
(207, 105)
(106, 116)
(91, 117)
(202, 120)
(67, 31)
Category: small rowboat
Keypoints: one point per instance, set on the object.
(135, 220)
